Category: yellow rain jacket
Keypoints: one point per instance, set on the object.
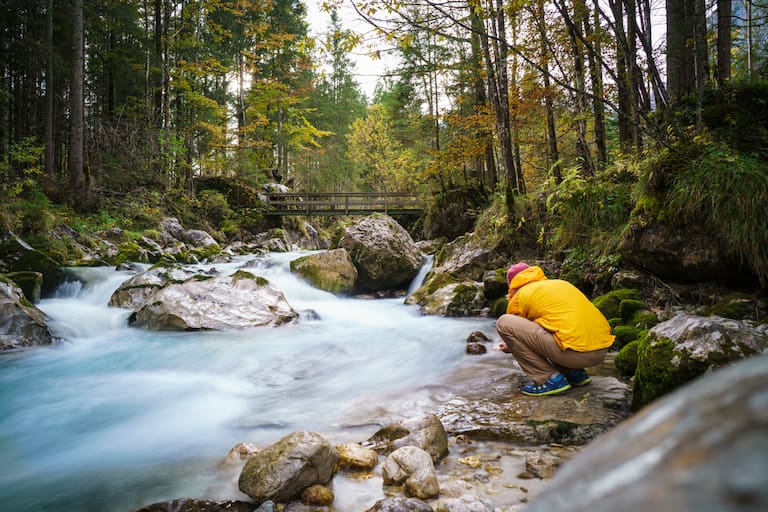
(560, 308)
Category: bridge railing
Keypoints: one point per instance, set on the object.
(343, 203)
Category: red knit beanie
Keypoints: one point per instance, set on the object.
(514, 270)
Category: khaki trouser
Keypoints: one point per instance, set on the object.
(537, 351)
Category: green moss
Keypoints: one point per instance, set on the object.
(130, 252)
(609, 304)
(625, 334)
(31, 283)
(626, 360)
(613, 322)
(439, 281)
(644, 319)
(463, 302)
(628, 307)
(242, 274)
(499, 307)
(739, 306)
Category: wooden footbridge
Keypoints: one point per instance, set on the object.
(343, 203)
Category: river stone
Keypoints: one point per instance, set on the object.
(425, 432)
(282, 471)
(686, 346)
(317, 495)
(385, 255)
(196, 505)
(413, 467)
(238, 301)
(452, 300)
(134, 292)
(171, 228)
(31, 284)
(356, 457)
(701, 448)
(332, 271)
(465, 503)
(21, 323)
(400, 504)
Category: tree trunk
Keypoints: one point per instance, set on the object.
(78, 195)
(596, 79)
(489, 177)
(724, 10)
(554, 155)
(580, 122)
(50, 170)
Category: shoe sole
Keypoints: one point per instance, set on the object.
(547, 393)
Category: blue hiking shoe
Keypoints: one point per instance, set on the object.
(578, 378)
(550, 387)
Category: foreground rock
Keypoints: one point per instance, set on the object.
(18, 256)
(701, 448)
(424, 432)
(332, 271)
(385, 255)
(682, 348)
(238, 301)
(21, 323)
(281, 472)
(194, 505)
(487, 403)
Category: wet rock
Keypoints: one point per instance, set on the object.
(241, 452)
(356, 457)
(18, 256)
(686, 346)
(171, 229)
(495, 284)
(399, 504)
(414, 468)
(425, 432)
(196, 505)
(238, 301)
(385, 255)
(490, 406)
(700, 448)
(465, 503)
(453, 299)
(317, 495)
(542, 464)
(332, 271)
(282, 471)
(476, 348)
(135, 292)
(477, 337)
(31, 284)
(21, 323)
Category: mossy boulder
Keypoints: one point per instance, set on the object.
(628, 307)
(21, 323)
(332, 271)
(31, 283)
(626, 359)
(609, 304)
(16, 255)
(495, 284)
(686, 346)
(455, 299)
(740, 306)
(624, 334)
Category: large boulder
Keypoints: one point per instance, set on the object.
(18, 256)
(238, 301)
(21, 323)
(702, 447)
(686, 253)
(385, 255)
(686, 346)
(281, 472)
(332, 271)
(171, 230)
(198, 505)
(135, 292)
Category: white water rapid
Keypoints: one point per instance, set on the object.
(114, 418)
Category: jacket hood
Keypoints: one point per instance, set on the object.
(529, 275)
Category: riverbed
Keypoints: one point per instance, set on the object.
(114, 417)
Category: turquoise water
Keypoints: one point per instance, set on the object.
(114, 418)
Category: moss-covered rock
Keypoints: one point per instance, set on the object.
(332, 271)
(499, 307)
(624, 334)
(609, 304)
(740, 306)
(679, 350)
(644, 319)
(628, 307)
(626, 360)
(31, 283)
(18, 256)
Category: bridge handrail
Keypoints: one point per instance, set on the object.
(342, 202)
